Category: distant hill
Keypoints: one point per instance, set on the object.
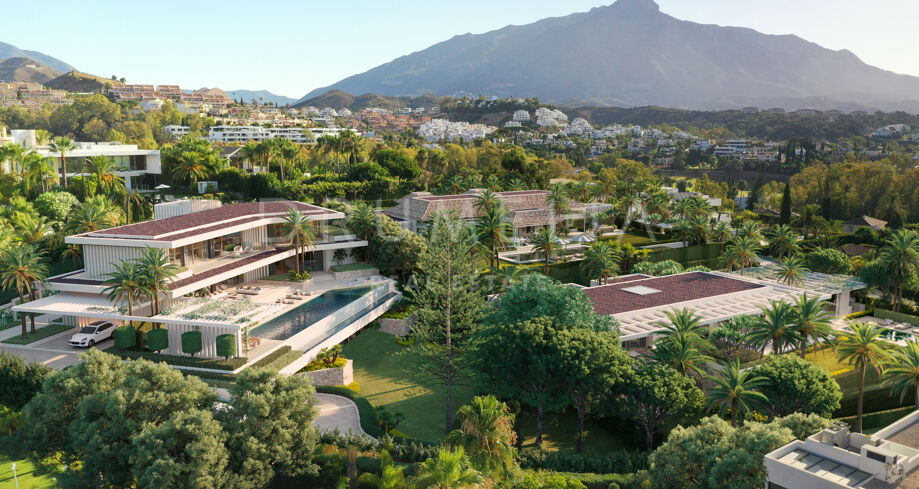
(9, 51)
(25, 70)
(631, 54)
(338, 99)
(76, 81)
(262, 96)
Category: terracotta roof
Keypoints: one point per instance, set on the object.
(856, 249)
(190, 224)
(865, 221)
(612, 299)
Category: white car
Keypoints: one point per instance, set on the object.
(92, 333)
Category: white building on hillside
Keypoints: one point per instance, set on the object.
(521, 116)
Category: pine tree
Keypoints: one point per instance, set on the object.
(785, 217)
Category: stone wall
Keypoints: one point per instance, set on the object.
(397, 327)
(333, 376)
(366, 272)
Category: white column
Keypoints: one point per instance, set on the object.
(842, 304)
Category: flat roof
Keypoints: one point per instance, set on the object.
(186, 225)
(614, 299)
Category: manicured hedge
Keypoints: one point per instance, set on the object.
(191, 342)
(125, 337)
(876, 400)
(352, 267)
(604, 481)
(614, 462)
(874, 421)
(158, 339)
(226, 345)
(271, 357)
(212, 363)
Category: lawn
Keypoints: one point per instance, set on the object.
(633, 239)
(28, 479)
(40, 334)
(384, 383)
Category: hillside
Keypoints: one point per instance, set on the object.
(262, 96)
(338, 99)
(9, 51)
(631, 54)
(25, 70)
(81, 82)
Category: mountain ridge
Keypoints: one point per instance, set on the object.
(631, 54)
(9, 51)
(25, 70)
(264, 95)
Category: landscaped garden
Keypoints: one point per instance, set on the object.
(39, 334)
(28, 476)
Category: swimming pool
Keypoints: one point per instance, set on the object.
(894, 335)
(295, 321)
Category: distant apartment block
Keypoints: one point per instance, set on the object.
(521, 116)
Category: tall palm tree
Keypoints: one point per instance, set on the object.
(861, 348)
(14, 153)
(103, 170)
(721, 233)
(131, 198)
(775, 326)
(157, 271)
(783, 241)
(901, 256)
(22, 267)
(493, 230)
(545, 242)
(558, 201)
(600, 261)
(809, 220)
(449, 470)
(741, 253)
(39, 173)
(362, 221)
(486, 434)
(488, 199)
(62, 145)
(699, 228)
(736, 390)
(685, 353)
(901, 371)
(812, 322)
(189, 170)
(790, 271)
(89, 217)
(32, 229)
(300, 231)
(749, 229)
(680, 321)
(125, 284)
(73, 253)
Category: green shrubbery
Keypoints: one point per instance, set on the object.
(158, 339)
(125, 337)
(19, 381)
(211, 363)
(191, 342)
(226, 346)
(351, 267)
(615, 462)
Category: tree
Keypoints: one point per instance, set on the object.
(125, 284)
(681, 345)
(449, 309)
(721, 233)
(62, 145)
(783, 241)
(362, 221)
(796, 385)
(103, 170)
(741, 253)
(827, 260)
(493, 230)
(861, 348)
(22, 267)
(775, 327)
(486, 433)
(300, 231)
(157, 271)
(655, 394)
(450, 470)
(900, 254)
(539, 296)
(901, 370)
(545, 242)
(809, 221)
(593, 364)
(558, 201)
(812, 322)
(397, 163)
(600, 261)
(736, 391)
(790, 271)
(56, 206)
(89, 217)
(785, 213)
(20, 380)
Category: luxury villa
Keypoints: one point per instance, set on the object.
(233, 261)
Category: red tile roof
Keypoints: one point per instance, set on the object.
(611, 299)
(239, 213)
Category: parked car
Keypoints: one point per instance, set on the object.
(92, 333)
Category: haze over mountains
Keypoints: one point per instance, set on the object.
(9, 51)
(630, 54)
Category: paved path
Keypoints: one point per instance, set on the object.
(334, 412)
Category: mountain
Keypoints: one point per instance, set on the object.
(9, 51)
(261, 95)
(630, 54)
(338, 99)
(76, 81)
(25, 70)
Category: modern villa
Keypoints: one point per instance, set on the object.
(232, 260)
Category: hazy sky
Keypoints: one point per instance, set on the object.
(290, 47)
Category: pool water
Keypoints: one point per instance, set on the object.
(894, 335)
(302, 317)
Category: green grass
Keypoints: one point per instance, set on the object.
(279, 277)
(40, 334)
(28, 479)
(352, 267)
(560, 433)
(633, 239)
(384, 383)
(11, 324)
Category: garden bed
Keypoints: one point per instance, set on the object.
(181, 361)
(351, 267)
(39, 334)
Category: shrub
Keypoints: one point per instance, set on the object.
(191, 342)
(20, 381)
(318, 364)
(199, 362)
(614, 462)
(158, 339)
(827, 260)
(125, 337)
(226, 346)
(55, 205)
(298, 277)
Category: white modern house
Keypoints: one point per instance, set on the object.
(137, 166)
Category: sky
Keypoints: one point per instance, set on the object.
(290, 47)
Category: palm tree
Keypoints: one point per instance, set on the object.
(809, 221)
(157, 271)
(31, 229)
(558, 201)
(737, 390)
(686, 354)
(545, 241)
(861, 348)
(680, 321)
(39, 173)
(493, 230)
(12, 152)
(189, 170)
(73, 253)
(131, 198)
(89, 217)
(125, 284)
(362, 221)
(507, 276)
(486, 434)
(741, 253)
(812, 322)
(699, 228)
(790, 271)
(103, 170)
(783, 241)
(516, 184)
(901, 371)
(450, 470)
(486, 200)
(298, 229)
(62, 145)
(901, 256)
(749, 229)
(22, 267)
(721, 233)
(775, 326)
(600, 261)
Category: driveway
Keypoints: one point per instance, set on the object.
(54, 352)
